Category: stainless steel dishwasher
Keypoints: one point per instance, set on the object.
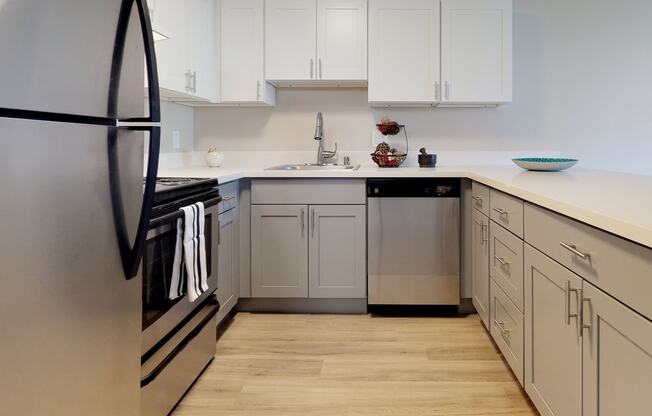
(413, 241)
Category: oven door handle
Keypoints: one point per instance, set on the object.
(151, 376)
(157, 222)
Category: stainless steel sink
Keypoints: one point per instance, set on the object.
(314, 166)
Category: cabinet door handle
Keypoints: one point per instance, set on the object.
(567, 291)
(589, 325)
(501, 328)
(312, 226)
(187, 74)
(257, 90)
(303, 221)
(485, 232)
(447, 90)
(194, 82)
(502, 262)
(573, 249)
(312, 66)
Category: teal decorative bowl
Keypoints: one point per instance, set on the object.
(545, 164)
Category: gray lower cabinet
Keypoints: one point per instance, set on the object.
(228, 279)
(279, 251)
(338, 247)
(480, 265)
(553, 336)
(617, 357)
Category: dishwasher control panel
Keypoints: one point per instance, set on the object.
(414, 188)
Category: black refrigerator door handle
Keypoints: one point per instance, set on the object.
(132, 254)
(131, 268)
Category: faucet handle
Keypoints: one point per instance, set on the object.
(331, 152)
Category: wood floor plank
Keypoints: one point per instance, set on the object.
(355, 365)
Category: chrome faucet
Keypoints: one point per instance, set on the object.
(319, 135)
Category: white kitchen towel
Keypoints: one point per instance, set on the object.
(177, 283)
(190, 231)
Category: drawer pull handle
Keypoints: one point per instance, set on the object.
(501, 211)
(485, 233)
(502, 262)
(501, 327)
(477, 199)
(573, 249)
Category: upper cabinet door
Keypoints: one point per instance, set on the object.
(290, 40)
(202, 33)
(617, 357)
(403, 51)
(172, 54)
(185, 59)
(341, 40)
(476, 58)
(242, 51)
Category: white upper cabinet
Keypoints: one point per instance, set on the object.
(341, 40)
(185, 58)
(476, 56)
(290, 39)
(315, 40)
(242, 77)
(403, 52)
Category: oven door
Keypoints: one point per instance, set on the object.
(160, 314)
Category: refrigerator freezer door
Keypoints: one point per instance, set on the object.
(70, 321)
(57, 57)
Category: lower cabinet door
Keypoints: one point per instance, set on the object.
(279, 251)
(617, 357)
(228, 287)
(553, 341)
(480, 265)
(338, 251)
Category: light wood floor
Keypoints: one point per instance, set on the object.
(355, 365)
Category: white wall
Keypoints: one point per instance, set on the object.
(582, 85)
(180, 118)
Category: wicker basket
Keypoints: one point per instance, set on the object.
(388, 161)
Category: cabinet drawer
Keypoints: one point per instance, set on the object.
(229, 194)
(506, 262)
(507, 329)
(480, 195)
(308, 191)
(507, 211)
(619, 267)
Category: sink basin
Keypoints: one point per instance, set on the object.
(314, 166)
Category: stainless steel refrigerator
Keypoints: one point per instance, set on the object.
(73, 210)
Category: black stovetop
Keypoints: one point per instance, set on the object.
(169, 189)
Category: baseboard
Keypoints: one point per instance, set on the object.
(289, 305)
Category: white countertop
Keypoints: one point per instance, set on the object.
(615, 202)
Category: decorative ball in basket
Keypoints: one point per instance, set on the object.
(385, 156)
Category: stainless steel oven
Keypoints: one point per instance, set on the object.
(178, 336)
(161, 315)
